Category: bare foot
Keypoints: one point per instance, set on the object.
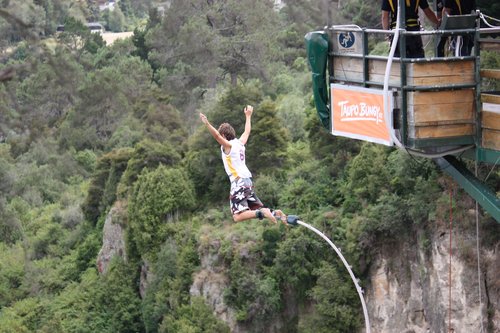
(267, 213)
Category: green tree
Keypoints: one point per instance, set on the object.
(196, 317)
(12, 275)
(102, 189)
(309, 15)
(232, 37)
(105, 100)
(337, 306)
(48, 94)
(96, 304)
(147, 154)
(157, 198)
(268, 141)
(116, 20)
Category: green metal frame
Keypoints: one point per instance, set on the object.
(475, 188)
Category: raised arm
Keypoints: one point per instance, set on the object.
(219, 138)
(248, 124)
(385, 20)
(431, 16)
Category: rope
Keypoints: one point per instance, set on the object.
(483, 17)
(449, 266)
(348, 267)
(492, 168)
(478, 258)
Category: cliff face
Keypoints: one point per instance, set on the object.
(211, 281)
(407, 291)
(113, 239)
(410, 291)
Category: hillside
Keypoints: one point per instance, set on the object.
(114, 213)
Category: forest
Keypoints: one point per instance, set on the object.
(89, 130)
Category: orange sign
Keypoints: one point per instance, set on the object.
(358, 113)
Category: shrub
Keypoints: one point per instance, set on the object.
(157, 197)
(102, 189)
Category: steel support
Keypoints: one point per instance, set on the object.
(473, 186)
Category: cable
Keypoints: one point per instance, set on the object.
(482, 16)
(389, 120)
(478, 258)
(346, 264)
(492, 168)
(449, 267)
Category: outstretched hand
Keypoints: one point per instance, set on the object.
(248, 110)
(203, 118)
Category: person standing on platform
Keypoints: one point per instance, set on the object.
(461, 7)
(414, 45)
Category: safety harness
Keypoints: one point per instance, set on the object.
(459, 6)
(410, 22)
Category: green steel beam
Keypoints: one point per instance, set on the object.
(483, 155)
(475, 188)
(488, 156)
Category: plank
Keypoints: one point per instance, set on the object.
(347, 75)
(490, 73)
(441, 73)
(347, 69)
(440, 69)
(441, 80)
(490, 98)
(440, 131)
(440, 113)
(377, 66)
(438, 97)
(490, 120)
(491, 139)
(379, 78)
(489, 44)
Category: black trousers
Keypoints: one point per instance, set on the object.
(414, 47)
(465, 47)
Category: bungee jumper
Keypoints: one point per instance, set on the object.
(244, 203)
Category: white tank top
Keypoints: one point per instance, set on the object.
(234, 163)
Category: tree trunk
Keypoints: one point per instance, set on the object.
(234, 79)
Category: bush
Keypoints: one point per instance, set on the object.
(157, 197)
(196, 317)
(102, 189)
(148, 154)
(337, 303)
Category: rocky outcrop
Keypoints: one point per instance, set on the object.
(410, 292)
(210, 283)
(113, 239)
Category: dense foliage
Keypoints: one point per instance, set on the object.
(84, 125)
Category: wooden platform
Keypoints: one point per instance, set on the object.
(444, 114)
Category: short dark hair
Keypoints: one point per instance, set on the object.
(227, 131)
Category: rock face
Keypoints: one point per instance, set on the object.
(408, 289)
(113, 240)
(210, 283)
(410, 292)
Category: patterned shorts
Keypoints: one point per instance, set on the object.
(242, 196)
